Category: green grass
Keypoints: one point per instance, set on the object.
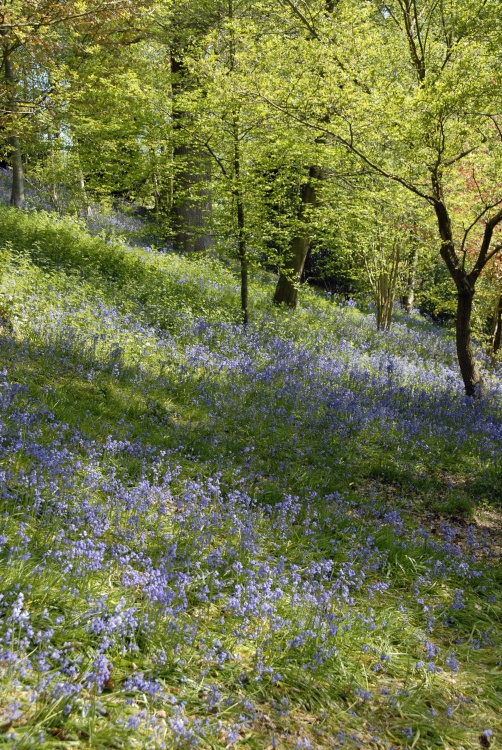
(140, 347)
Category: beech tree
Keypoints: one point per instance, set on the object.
(258, 177)
(181, 29)
(411, 88)
(31, 44)
(220, 125)
(453, 73)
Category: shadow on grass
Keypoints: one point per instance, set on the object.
(139, 406)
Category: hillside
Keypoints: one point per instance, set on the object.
(278, 537)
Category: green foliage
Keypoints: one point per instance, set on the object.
(127, 276)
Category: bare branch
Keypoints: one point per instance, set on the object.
(497, 126)
(417, 31)
(494, 252)
(477, 219)
(417, 59)
(216, 158)
(484, 256)
(297, 12)
(61, 19)
(460, 156)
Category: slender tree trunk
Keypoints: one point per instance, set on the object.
(290, 275)
(409, 298)
(162, 184)
(84, 197)
(16, 160)
(385, 289)
(191, 205)
(83, 190)
(385, 302)
(241, 236)
(243, 262)
(496, 339)
(17, 194)
(55, 198)
(471, 374)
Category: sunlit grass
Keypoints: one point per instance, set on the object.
(218, 538)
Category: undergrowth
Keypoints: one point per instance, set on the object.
(215, 537)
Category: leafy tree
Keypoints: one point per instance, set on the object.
(33, 34)
(221, 124)
(186, 202)
(257, 159)
(411, 88)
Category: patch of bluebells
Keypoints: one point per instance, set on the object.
(120, 222)
(172, 570)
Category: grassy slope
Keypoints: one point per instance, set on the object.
(216, 538)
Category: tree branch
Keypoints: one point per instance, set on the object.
(35, 25)
(315, 35)
(297, 12)
(216, 158)
(460, 156)
(494, 252)
(484, 256)
(477, 219)
(349, 145)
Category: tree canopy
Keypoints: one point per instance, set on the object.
(357, 144)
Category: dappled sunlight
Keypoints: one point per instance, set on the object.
(211, 533)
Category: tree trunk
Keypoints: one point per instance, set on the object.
(409, 298)
(496, 340)
(83, 191)
(162, 195)
(471, 374)
(241, 236)
(286, 291)
(55, 197)
(191, 204)
(384, 287)
(17, 193)
(16, 160)
(290, 275)
(244, 264)
(385, 302)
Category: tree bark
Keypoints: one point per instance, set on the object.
(496, 340)
(55, 197)
(244, 263)
(385, 302)
(409, 298)
(385, 289)
(191, 204)
(465, 284)
(17, 194)
(471, 374)
(16, 159)
(241, 236)
(286, 291)
(83, 191)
